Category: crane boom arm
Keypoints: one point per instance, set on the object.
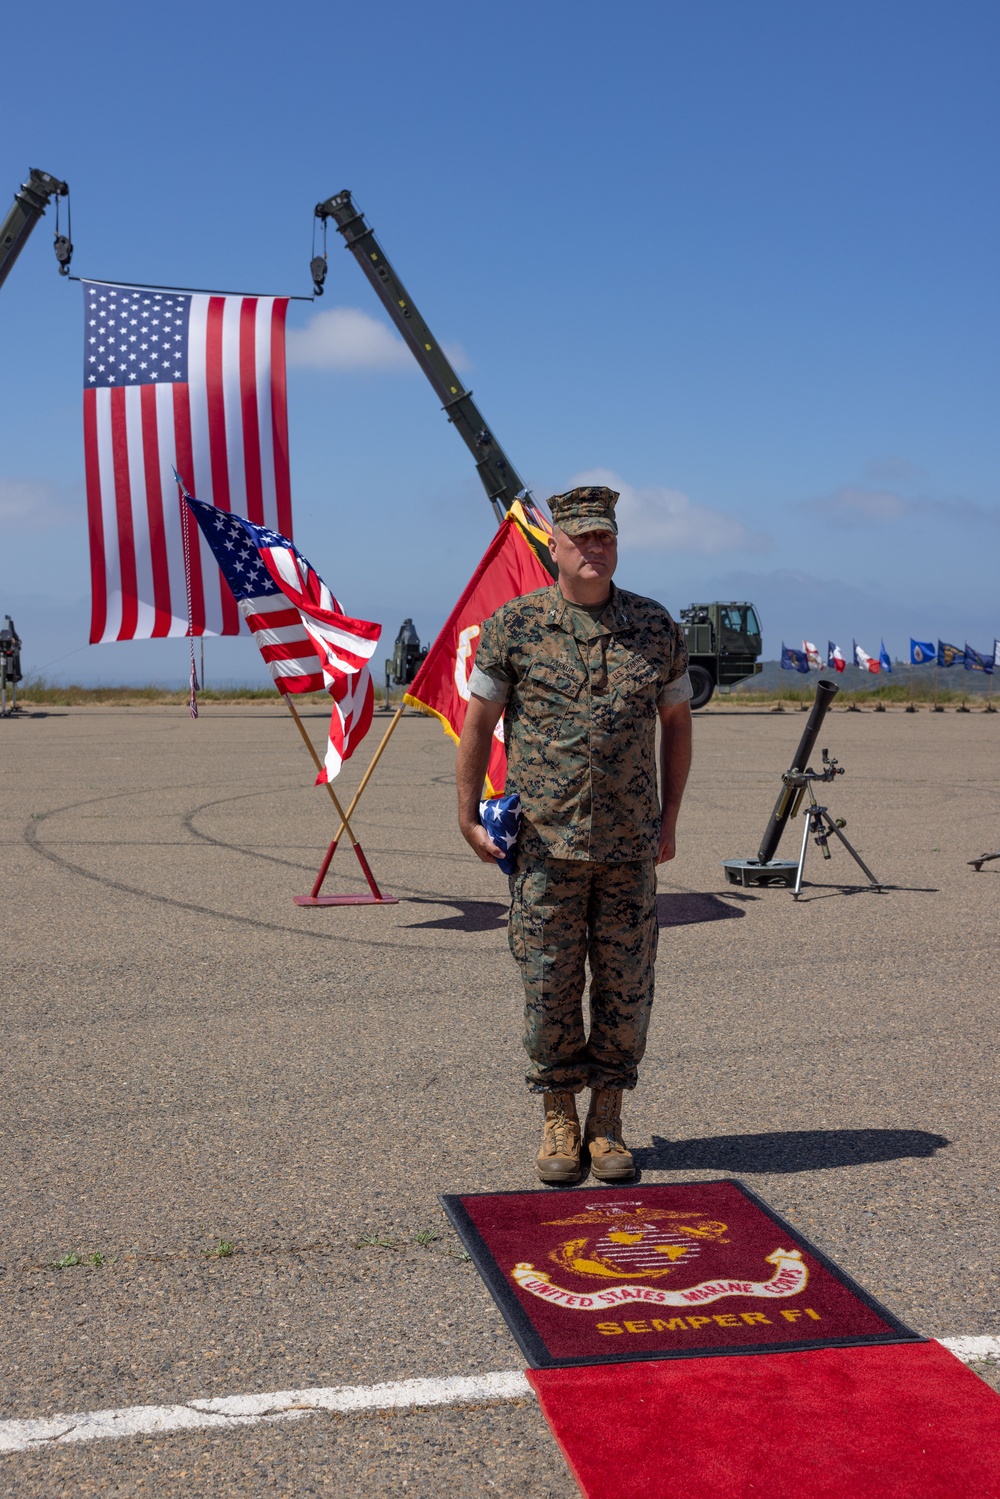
(499, 476)
(30, 202)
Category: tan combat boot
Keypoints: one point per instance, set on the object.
(609, 1160)
(559, 1158)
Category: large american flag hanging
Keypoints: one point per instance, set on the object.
(306, 640)
(188, 381)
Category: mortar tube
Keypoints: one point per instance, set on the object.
(825, 694)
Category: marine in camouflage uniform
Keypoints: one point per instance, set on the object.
(582, 687)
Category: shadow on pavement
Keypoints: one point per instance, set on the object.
(791, 1150)
(473, 915)
(812, 892)
(687, 909)
(490, 915)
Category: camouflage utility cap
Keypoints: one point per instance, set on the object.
(581, 510)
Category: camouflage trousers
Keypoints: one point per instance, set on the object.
(565, 913)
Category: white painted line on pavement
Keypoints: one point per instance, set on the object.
(973, 1350)
(244, 1410)
(290, 1405)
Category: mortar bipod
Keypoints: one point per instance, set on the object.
(818, 822)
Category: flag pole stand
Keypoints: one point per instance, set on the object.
(375, 898)
(964, 705)
(937, 708)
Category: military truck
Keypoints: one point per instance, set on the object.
(723, 641)
(723, 638)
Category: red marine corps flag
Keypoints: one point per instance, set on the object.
(441, 686)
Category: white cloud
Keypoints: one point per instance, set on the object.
(345, 338)
(853, 504)
(30, 505)
(893, 467)
(658, 519)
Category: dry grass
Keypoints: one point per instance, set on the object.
(41, 694)
(896, 695)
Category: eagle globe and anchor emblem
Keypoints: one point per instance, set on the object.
(628, 1239)
(641, 1246)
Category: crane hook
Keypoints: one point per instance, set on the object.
(317, 266)
(63, 244)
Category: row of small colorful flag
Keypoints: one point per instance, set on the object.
(922, 653)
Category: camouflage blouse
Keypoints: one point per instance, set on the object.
(581, 715)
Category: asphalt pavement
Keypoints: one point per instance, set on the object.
(245, 1110)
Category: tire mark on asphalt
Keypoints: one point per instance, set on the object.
(254, 853)
(33, 842)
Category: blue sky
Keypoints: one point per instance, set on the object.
(741, 258)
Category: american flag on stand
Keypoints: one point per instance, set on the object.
(188, 381)
(306, 640)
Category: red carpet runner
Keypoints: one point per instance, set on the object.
(901, 1421)
(687, 1343)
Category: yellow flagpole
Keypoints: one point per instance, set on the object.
(367, 775)
(344, 816)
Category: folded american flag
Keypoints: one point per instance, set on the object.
(501, 817)
(307, 642)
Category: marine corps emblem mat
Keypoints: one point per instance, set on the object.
(615, 1275)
